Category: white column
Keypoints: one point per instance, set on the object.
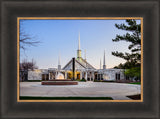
(93, 76)
(80, 75)
(90, 76)
(49, 76)
(86, 76)
(65, 75)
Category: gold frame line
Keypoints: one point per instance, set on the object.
(77, 18)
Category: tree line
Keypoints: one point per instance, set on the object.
(132, 65)
(26, 40)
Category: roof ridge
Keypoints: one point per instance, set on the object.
(80, 63)
(87, 63)
(66, 64)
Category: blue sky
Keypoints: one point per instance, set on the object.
(60, 37)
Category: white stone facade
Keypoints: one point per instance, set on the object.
(110, 74)
(107, 74)
(35, 74)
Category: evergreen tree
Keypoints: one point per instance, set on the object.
(133, 59)
(134, 37)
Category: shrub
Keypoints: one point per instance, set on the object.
(83, 80)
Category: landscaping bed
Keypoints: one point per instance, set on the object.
(135, 97)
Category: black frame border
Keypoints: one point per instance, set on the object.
(11, 9)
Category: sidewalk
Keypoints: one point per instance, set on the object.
(118, 91)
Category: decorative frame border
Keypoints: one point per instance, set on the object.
(11, 9)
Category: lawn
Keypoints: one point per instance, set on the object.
(33, 81)
(138, 83)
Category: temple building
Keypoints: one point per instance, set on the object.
(77, 68)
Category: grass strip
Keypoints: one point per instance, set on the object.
(64, 98)
(104, 81)
(33, 81)
(138, 83)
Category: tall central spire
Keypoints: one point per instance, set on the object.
(104, 63)
(79, 46)
(79, 50)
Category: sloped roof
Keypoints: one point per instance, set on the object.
(83, 63)
(87, 64)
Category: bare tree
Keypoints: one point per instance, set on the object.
(26, 39)
(25, 66)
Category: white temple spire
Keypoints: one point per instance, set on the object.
(104, 63)
(59, 60)
(85, 54)
(79, 46)
(59, 63)
(79, 50)
(100, 63)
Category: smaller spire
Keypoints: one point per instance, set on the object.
(59, 63)
(85, 54)
(104, 63)
(59, 60)
(100, 63)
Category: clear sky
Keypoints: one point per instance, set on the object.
(60, 37)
